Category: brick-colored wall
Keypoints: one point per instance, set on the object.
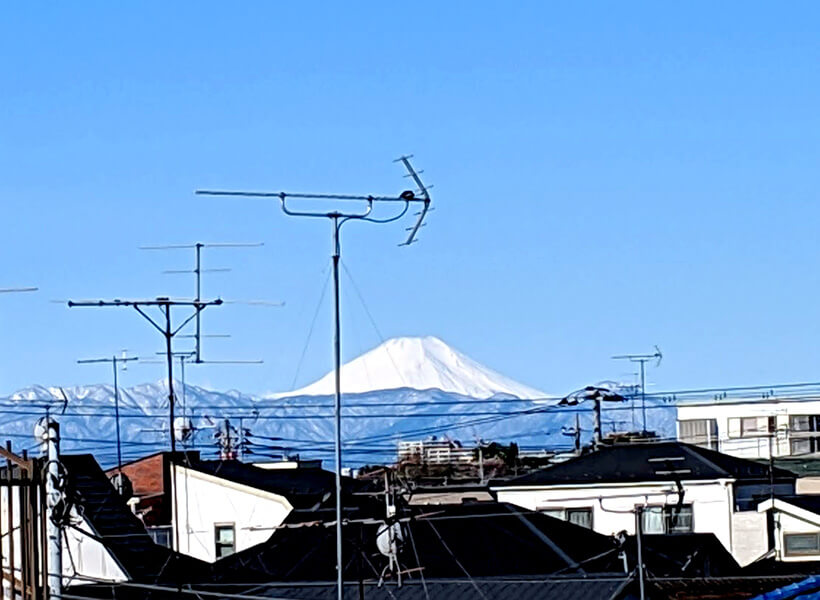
(145, 475)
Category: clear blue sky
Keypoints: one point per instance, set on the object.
(607, 177)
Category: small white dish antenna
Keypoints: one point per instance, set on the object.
(183, 429)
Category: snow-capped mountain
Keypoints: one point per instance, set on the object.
(419, 363)
(406, 389)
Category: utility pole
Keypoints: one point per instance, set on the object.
(597, 395)
(642, 359)
(115, 361)
(165, 306)
(53, 499)
(337, 220)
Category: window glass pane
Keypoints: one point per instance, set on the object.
(800, 423)
(802, 543)
(225, 535)
(653, 519)
(801, 446)
(580, 516)
(556, 513)
(679, 521)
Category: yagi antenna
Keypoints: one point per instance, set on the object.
(338, 218)
(642, 359)
(18, 290)
(197, 271)
(425, 197)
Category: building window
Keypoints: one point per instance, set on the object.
(803, 423)
(225, 540)
(160, 535)
(580, 516)
(700, 432)
(802, 544)
(576, 516)
(803, 437)
(667, 519)
(751, 426)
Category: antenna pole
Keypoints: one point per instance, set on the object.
(639, 542)
(337, 405)
(169, 355)
(337, 220)
(198, 272)
(117, 419)
(643, 394)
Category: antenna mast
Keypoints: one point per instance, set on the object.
(115, 361)
(337, 219)
(165, 306)
(197, 272)
(642, 359)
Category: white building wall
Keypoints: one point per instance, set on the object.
(612, 506)
(204, 501)
(729, 442)
(85, 557)
(750, 537)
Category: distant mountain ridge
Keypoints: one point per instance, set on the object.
(444, 393)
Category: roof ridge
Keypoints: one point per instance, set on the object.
(693, 452)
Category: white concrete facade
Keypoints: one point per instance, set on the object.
(205, 502)
(612, 504)
(791, 520)
(753, 428)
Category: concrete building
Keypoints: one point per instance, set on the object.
(680, 488)
(752, 428)
(436, 452)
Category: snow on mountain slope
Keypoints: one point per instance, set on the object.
(406, 389)
(420, 363)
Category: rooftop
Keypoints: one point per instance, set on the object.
(663, 461)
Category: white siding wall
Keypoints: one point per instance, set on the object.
(86, 557)
(204, 501)
(83, 556)
(712, 505)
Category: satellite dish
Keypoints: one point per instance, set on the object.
(123, 485)
(183, 429)
(41, 430)
(389, 538)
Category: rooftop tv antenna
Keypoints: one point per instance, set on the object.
(338, 218)
(642, 359)
(165, 307)
(117, 362)
(197, 271)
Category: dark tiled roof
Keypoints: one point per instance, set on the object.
(487, 539)
(685, 554)
(805, 501)
(649, 462)
(712, 588)
(304, 488)
(118, 528)
(463, 588)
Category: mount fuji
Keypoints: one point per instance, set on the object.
(419, 363)
(405, 389)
